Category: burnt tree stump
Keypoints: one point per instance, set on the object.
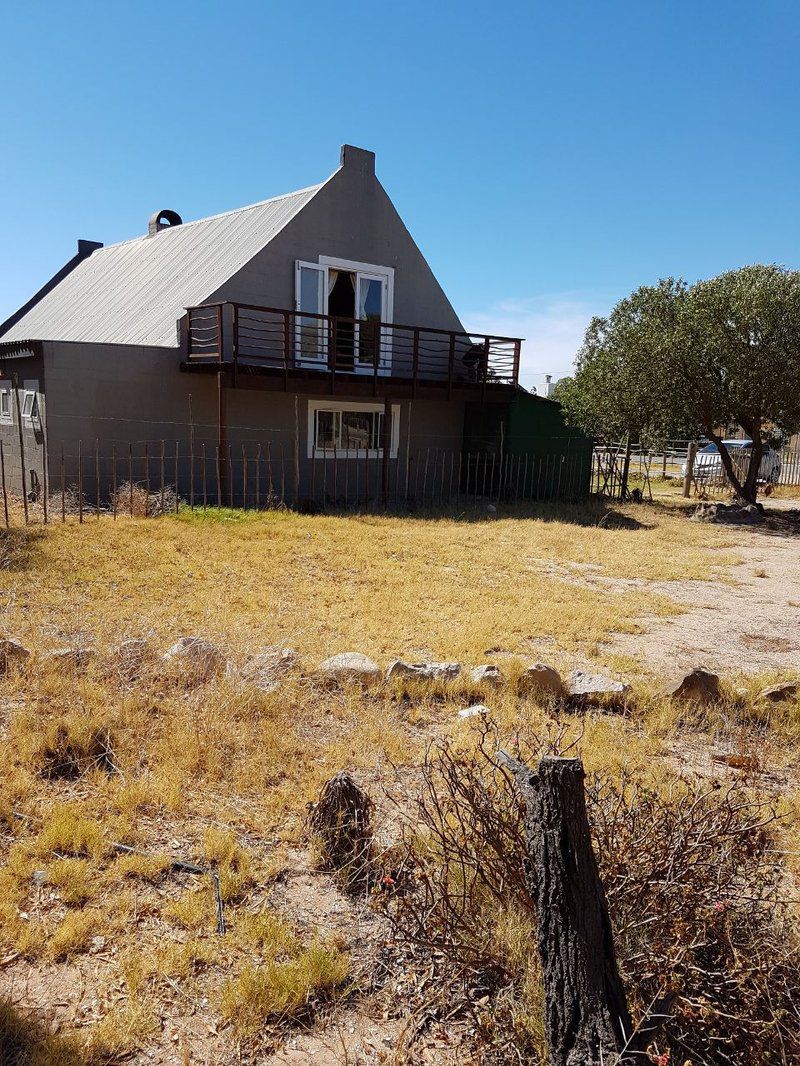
(587, 1022)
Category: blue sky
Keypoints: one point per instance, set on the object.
(548, 158)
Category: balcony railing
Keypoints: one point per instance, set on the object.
(292, 343)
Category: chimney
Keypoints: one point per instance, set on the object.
(165, 219)
(357, 158)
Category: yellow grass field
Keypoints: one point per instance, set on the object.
(218, 773)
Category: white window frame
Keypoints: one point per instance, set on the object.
(29, 407)
(351, 453)
(6, 390)
(327, 263)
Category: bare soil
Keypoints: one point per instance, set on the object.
(748, 621)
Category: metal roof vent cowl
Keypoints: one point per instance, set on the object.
(162, 220)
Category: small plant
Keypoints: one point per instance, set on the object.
(280, 991)
(73, 935)
(232, 862)
(68, 831)
(73, 879)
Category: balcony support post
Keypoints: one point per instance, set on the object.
(387, 446)
(221, 436)
(451, 359)
(287, 348)
(415, 364)
(235, 342)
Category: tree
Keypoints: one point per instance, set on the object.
(676, 360)
(621, 388)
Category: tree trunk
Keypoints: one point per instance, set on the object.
(626, 466)
(727, 464)
(752, 428)
(586, 1014)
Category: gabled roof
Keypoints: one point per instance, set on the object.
(134, 292)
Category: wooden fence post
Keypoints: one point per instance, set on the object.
(587, 1022)
(3, 478)
(687, 480)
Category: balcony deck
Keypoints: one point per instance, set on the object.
(274, 348)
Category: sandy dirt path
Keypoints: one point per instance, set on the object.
(752, 625)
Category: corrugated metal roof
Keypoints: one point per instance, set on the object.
(134, 292)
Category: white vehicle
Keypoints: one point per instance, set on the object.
(708, 461)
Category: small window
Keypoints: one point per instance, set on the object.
(30, 405)
(350, 430)
(6, 409)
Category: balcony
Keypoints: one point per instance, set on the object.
(282, 348)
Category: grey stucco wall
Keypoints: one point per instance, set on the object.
(351, 217)
(24, 464)
(125, 401)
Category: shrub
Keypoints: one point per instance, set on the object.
(693, 891)
(70, 747)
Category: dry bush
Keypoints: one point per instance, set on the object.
(70, 747)
(16, 546)
(693, 889)
(341, 823)
(135, 501)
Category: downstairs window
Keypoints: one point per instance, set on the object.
(350, 429)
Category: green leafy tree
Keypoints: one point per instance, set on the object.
(674, 360)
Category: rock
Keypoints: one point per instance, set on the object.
(349, 666)
(735, 513)
(786, 690)
(12, 653)
(39, 878)
(474, 711)
(97, 943)
(196, 656)
(586, 688)
(491, 509)
(265, 668)
(130, 656)
(698, 686)
(488, 674)
(424, 671)
(77, 658)
(542, 681)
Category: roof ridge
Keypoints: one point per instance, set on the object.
(212, 218)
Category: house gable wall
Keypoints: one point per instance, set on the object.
(350, 217)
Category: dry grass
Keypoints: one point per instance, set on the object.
(220, 773)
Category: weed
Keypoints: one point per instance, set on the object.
(69, 831)
(280, 991)
(73, 934)
(73, 879)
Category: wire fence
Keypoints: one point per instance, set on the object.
(781, 469)
(151, 478)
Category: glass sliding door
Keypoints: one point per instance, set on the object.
(311, 297)
(371, 342)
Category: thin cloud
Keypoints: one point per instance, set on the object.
(553, 328)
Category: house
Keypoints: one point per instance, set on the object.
(301, 338)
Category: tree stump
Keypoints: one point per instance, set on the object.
(587, 1022)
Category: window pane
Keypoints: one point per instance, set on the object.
(370, 298)
(326, 429)
(311, 331)
(310, 295)
(5, 403)
(358, 429)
